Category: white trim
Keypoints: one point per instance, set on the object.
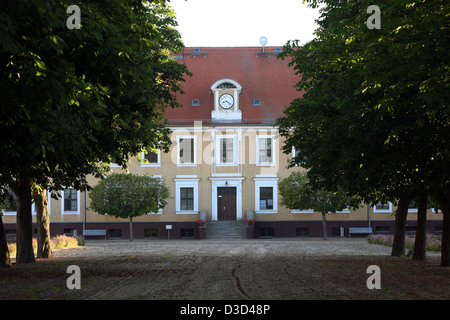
(375, 210)
(296, 211)
(227, 182)
(78, 203)
(186, 183)
(266, 182)
(188, 164)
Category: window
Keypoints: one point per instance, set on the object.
(266, 232)
(151, 159)
(413, 206)
(226, 150)
(302, 232)
(10, 204)
(186, 150)
(187, 233)
(256, 102)
(151, 233)
(382, 207)
(195, 102)
(187, 198)
(70, 202)
(114, 233)
(186, 193)
(266, 195)
(265, 150)
(265, 198)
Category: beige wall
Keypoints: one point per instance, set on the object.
(245, 173)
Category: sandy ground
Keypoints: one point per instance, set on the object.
(272, 269)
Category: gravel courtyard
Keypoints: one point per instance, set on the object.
(272, 269)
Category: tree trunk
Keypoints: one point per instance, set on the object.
(44, 249)
(324, 226)
(445, 251)
(398, 245)
(420, 244)
(131, 228)
(5, 260)
(24, 224)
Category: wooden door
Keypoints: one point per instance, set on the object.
(226, 203)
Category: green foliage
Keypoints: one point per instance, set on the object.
(298, 193)
(374, 118)
(75, 100)
(125, 195)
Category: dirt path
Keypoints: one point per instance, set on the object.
(227, 270)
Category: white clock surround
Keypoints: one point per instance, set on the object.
(233, 88)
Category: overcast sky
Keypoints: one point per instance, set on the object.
(236, 23)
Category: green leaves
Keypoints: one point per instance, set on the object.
(372, 110)
(127, 195)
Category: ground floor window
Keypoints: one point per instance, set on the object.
(266, 232)
(151, 233)
(266, 195)
(186, 196)
(115, 233)
(302, 232)
(187, 233)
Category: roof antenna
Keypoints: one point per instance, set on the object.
(263, 41)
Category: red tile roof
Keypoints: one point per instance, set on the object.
(262, 76)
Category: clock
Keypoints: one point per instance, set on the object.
(226, 101)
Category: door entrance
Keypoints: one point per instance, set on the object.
(226, 203)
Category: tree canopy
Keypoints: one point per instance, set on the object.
(75, 100)
(126, 195)
(374, 119)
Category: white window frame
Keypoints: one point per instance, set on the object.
(179, 163)
(33, 207)
(186, 183)
(375, 210)
(78, 203)
(274, 148)
(218, 149)
(266, 182)
(157, 164)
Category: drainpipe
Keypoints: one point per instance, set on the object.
(368, 213)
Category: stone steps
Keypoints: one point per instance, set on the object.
(226, 230)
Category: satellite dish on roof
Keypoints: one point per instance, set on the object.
(263, 41)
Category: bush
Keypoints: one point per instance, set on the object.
(58, 242)
(433, 241)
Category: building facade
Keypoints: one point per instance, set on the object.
(225, 161)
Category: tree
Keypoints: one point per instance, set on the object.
(75, 100)
(297, 193)
(125, 195)
(374, 116)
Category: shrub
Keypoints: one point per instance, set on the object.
(433, 241)
(58, 242)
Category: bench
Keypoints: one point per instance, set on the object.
(359, 231)
(94, 233)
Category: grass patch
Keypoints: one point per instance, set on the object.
(58, 242)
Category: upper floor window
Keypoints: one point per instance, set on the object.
(265, 150)
(226, 150)
(150, 159)
(186, 150)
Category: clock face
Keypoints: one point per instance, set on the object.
(226, 101)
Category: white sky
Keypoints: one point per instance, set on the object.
(237, 23)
